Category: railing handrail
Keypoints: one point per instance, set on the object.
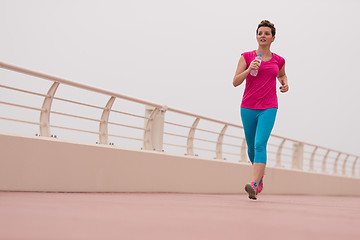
(103, 91)
(73, 84)
(161, 107)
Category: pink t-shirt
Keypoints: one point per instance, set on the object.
(260, 91)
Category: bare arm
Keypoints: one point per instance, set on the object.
(243, 70)
(283, 80)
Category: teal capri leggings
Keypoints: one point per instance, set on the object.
(258, 124)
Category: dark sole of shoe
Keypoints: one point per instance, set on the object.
(251, 191)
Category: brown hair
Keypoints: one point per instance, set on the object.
(266, 23)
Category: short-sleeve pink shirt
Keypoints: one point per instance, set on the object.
(260, 91)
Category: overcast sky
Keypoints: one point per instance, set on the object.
(184, 54)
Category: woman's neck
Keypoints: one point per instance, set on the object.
(264, 51)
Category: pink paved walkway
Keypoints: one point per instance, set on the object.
(176, 216)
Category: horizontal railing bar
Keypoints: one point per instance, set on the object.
(204, 130)
(285, 152)
(79, 103)
(24, 91)
(102, 108)
(175, 124)
(307, 152)
(75, 116)
(202, 117)
(268, 151)
(232, 136)
(286, 160)
(205, 149)
(21, 106)
(176, 135)
(308, 144)
(330, 157)
(232, 145)
(17, 120)
(123, 125)
(175, 145)
(234, 154)
(131, 138)
(129, 114)
(74, 129)
(286, 148)
(273, 144)
(288, 155)
(205, 140)
(317, 153)
(282, 154)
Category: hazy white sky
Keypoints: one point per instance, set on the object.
(184, 54)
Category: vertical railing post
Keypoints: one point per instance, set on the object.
(154, 128)
(324, 162)
(336, 162)
(46, 109)
(278, 153)
(103, 127)
(312, 169)
(353, 167)
(243, 151)
(220, 143)
(344, 165)
(190, 139)
(298, 155)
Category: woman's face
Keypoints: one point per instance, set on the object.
(264, 36)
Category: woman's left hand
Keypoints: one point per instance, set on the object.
(283, 80)
(284, 88)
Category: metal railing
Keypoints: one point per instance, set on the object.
(68, 109)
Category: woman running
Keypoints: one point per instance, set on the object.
(259, 104)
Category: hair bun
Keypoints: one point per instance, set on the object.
(266, 22)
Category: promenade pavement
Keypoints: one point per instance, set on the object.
(172, 216)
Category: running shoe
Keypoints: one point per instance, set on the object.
(261, 185)
(251, 189)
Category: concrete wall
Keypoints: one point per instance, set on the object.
(46, 164)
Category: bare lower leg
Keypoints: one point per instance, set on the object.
(258, 171)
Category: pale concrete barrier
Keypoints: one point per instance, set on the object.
(51, 165)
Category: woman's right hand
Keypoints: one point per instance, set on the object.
(255, 64)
